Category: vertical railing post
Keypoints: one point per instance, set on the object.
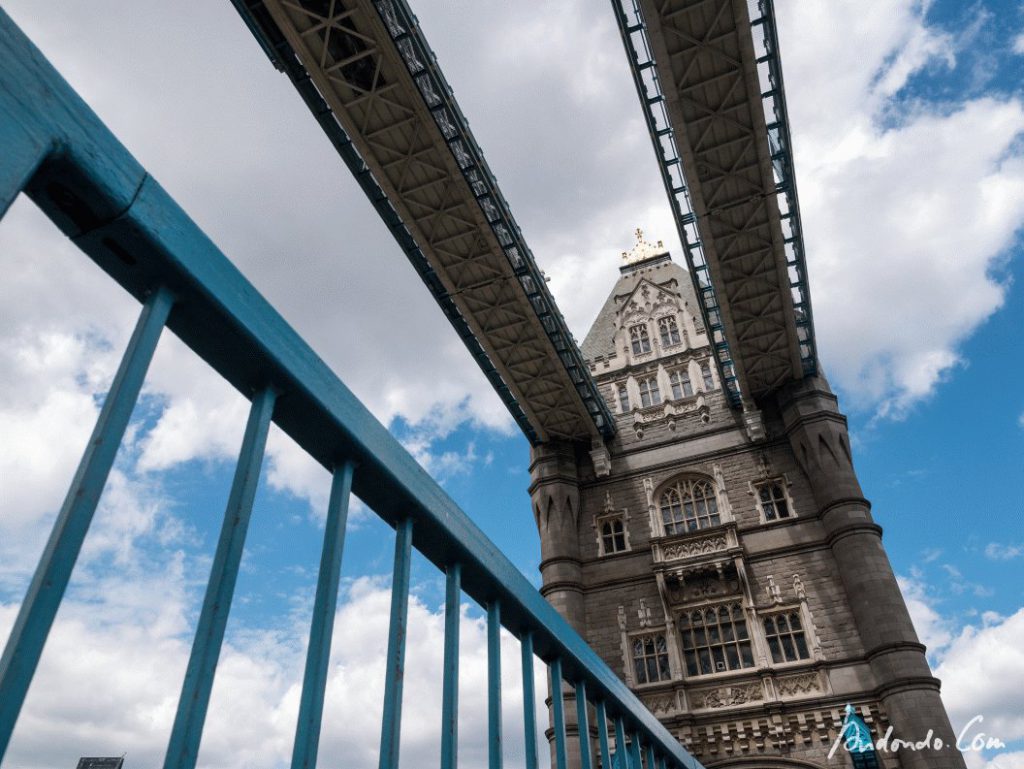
(621, 759)
(558, 706)
(391, 723)
(314, 683)
(529, 702)
(183, 747)
(651, 763)
(583, 724)
(602, 735)
(634, 751)
(494, 684)
(450, 684)
(38, 610)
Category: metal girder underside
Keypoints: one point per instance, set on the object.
(378, 78)
(696, 61)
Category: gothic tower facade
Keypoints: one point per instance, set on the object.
(726, 563)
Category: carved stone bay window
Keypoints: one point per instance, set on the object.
(668, 329)
(715, 639)
(639, 339)
(689, 505)
(650, 658)
(784, 632)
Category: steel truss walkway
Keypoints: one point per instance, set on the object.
(710, 82)
(61, 155)
(368, 75)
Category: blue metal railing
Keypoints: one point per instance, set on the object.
(59, 153)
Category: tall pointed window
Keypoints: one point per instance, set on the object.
(623, 396)
(774, 503)
(650, 659)
(785, 636)
(715, 640)
(649, 393)
(613, 536)
(689, 505)
(705, 371)
(668, 330)
(639, 339)
(680, 382)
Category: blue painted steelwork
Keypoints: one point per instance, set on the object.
(634, 751)
(558, 711)
(494, 685)
(529, 703)
(602, 735)
(311, 705)
(183, 748)
(450, 682)
(74, 169)
(439, 99)
(650, 758)
(648, 88)
(394, 677)
(773, 96)
(621, 754)
(583, 724)
(35, 618)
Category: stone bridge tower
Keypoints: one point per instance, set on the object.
(726, 564)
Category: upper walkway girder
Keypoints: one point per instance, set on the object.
(374, 73)
(711, 86)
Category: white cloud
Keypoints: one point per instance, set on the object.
(934, 630)
(906, 222)
(105, 687)
(980, 666)
(981, 670)
(1018, 44)
(998, 551)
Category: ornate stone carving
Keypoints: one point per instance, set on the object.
(665, 704)
(805, 683)
(727, 696)
(694, 547)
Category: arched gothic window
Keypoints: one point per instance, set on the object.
(649, 393)
(650, 659)
(669, 331)
(639, 339)
(785, 636)
(613, 536)
(773, 501)
(688, 505)
(680, 382)
(715, 639)
(705, 372)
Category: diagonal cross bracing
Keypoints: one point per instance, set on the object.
(369, 77)
(710, 82)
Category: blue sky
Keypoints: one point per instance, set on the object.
(908, 122)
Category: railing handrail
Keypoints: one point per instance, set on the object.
(124, 220)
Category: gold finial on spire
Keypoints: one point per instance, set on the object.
(643, 250)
